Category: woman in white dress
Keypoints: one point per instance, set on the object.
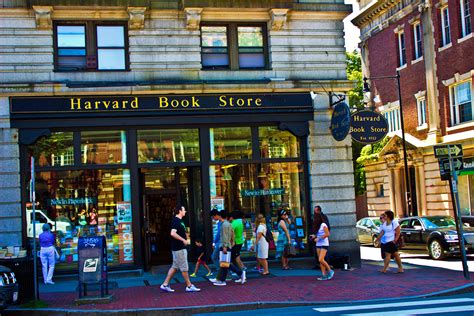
(262, 244)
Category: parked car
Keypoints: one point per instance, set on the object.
(8, 287)
(436, 234)
(367, 230)
(61, 225)
(468, 220)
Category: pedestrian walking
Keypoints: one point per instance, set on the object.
(227, 241)
(321, 239)
(179, 242)
(262, 244)
(216, 243)
(284, 239)
(390, 232)
(201, 260)
(377, 241)
(48, 253)
(238, 227)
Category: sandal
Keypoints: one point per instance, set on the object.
(268, 273)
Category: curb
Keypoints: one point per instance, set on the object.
(190, 310)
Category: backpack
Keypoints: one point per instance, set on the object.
(269, 238)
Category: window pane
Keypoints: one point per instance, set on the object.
(103, 147)
(110, 36)
(84, 203)
(251, 60)
(172, 145)
(215, 60)
(111, 59)
(71, 52)
(231, 143)
(275, 143)
(71, 36)
(214, 36)
(250, 36)
(55, 150)
(463, 92)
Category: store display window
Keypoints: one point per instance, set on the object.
(262, 189)
(230, 143)
(103, 147)
(275, 143)
(84, 203)
(168, 145)
(54, 151)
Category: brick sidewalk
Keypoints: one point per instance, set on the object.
(365, 283)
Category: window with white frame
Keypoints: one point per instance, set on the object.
(417, 40)
(421, 109)
(402, 58)
(465, 8)
(393, 119)
(445, 27)
(460, 96)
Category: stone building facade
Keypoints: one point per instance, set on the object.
(124, 107)
(427, 42)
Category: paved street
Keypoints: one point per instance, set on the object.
(418, 258)
(460, 305)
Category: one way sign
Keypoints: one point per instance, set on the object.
(443, 151)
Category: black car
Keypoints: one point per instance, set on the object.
(8, 287)
(367, 230)
(436, 234)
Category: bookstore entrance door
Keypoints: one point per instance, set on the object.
(163, 190)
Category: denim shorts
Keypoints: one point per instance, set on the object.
(323, 247)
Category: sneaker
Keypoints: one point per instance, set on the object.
(192, 288)
(220, 283)
(213, 280)
(166, 288)
(323, 278)
(244, 277)
(192, 275)
(234, 274)
(228, 278)
(331, 274)
(209, 274)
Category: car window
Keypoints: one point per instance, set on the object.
(435, 222)
(405, 224)
(363, 222)
(415, 223)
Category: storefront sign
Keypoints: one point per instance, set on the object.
(125, 243)
(277, 191)
(340, 121)
(368, 127)
(468, 164)
(72, 201)
(161, 103)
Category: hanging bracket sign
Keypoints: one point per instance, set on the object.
(368, 127)
(340, 121)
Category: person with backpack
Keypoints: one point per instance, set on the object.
(262, 243)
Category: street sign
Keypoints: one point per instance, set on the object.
(443, 151)
(368, 127)
(445, 167)
(340, 121)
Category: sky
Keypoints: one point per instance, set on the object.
(351, 32)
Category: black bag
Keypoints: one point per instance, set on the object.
(400, 243)
(289, 251)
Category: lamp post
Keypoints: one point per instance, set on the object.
(408, 196)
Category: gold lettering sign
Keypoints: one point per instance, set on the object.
(78, 104)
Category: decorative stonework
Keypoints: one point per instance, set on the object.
(398, 29)
(193, 18)
(278, 18)
(136, 17)
(43, 16)
(415, 19)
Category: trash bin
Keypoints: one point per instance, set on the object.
(24, 273)
(92, 254)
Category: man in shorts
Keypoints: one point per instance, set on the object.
(179, 242)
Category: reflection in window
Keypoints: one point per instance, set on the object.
(171, 145)
(275, 143)
(250, 41)
(110, 47)
(261, 188)
(215, 52)
(103, 147)
(71, 47)
(55, 150)
(231, 143)
(84, 203)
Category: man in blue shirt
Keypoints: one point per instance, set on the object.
(47, 253)
(216, 244)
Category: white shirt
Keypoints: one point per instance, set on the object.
(262, 229)
(389, 231)
(322, 241)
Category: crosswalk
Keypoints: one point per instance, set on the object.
(417, 307)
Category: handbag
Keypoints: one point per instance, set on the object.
(400, 242)
(224, 259)
(289, 251)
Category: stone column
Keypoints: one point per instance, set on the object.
(420, 186)
(332, 180)
(10, 197)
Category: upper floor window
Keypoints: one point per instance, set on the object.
(233, 46)
(402, 58)
(421, 109)
(90, 45)
(465, 7)
(445, 27)
(393, 118)
(417, 40)
(461, 102)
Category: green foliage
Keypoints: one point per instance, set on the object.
(354, 72)
(371, 152)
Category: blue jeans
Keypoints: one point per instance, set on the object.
(215, 255)
(222, 274)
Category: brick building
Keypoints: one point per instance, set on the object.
(135, 107)
(428, 42)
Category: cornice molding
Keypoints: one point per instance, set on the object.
(368, 14)
(136, 17)
(43, 17)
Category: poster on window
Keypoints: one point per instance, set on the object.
(124, 212)
(125, 243)
(217, 203)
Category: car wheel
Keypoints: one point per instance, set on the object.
(375, 242)
(436, 250)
